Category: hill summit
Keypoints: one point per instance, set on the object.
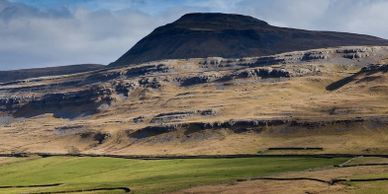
(198, 35)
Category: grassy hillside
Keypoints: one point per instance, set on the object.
(143, 176)
(129, 111)
(8, 76)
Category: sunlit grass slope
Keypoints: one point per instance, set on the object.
(144, 176)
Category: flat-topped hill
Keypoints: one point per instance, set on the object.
(198, 35)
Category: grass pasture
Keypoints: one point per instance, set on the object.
(143, 176)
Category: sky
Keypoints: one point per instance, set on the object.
(42, 33)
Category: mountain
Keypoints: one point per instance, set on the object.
(212, 105)
(232, 36)
(310, 121)
(8, 76)
(314, 98)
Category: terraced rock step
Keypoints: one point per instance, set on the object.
(239, 126)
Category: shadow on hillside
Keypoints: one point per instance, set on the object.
(340, 83)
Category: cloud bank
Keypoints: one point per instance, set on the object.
(61, 32)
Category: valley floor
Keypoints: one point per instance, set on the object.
(142, 176)
(240, 175)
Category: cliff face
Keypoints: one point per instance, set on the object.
(201, 35)
(83, 94)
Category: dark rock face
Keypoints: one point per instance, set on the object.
(262, 73)
(197, 79)
(124, 88)
(240, 126)
(99, 137)
(370, 69)
(134, 72)
(178, 116)
(63, 105)
(232, 36)
(150, 83)
(138, 119)
(150, 131)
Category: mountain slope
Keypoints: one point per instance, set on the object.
(232, 36)
(7, 76)
(206, 106)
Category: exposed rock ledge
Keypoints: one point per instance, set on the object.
(239, 126)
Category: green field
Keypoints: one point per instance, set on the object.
(143, 176)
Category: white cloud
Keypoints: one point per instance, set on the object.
(360, 16)
(295, 13)
(31, 38)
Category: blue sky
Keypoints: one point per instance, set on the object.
(39, 33)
